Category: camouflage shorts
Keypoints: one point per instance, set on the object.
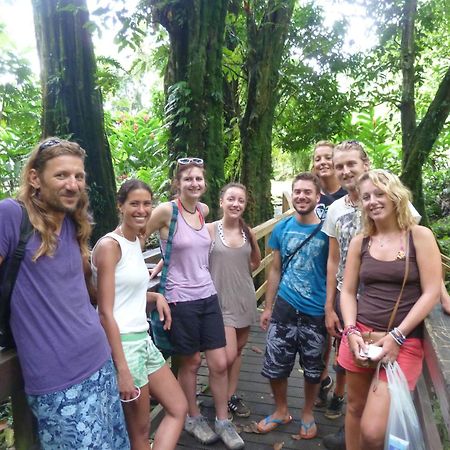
(290, 332)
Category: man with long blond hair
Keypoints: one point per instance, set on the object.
(65, 357)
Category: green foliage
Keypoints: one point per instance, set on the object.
(441, 229)
(19, 115)
(177, 110)
(375, 133)
(138, 149)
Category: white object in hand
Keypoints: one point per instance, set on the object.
(373, 352)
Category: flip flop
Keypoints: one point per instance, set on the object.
(305, 427)
(269, 424)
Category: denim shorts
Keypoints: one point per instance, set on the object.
(197, 326)
(85, 416)
(291, 332)
(143, 358)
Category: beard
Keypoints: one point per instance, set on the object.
(304, 212)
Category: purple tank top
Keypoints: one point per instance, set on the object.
(188, 277)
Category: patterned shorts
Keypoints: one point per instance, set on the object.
(143, 358)
(85, 416)
(291, 332)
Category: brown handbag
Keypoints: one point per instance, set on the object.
(371, 337)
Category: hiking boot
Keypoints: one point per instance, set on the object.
(335, 441)
(238, 407)
(199, 428)
(229, 435)
(335, 407)
(322, 398)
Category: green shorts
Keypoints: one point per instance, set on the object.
(143, 358)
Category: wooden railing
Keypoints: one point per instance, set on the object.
(432, 393)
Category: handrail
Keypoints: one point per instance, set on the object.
(433, 387)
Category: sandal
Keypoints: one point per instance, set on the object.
(306, 427)
(269, 424)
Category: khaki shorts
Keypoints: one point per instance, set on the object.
(143, 358)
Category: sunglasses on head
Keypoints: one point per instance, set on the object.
(186, 161)
(47, 144)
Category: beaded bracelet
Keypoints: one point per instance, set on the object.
(351, 329)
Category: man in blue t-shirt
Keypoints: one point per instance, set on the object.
(297, 280)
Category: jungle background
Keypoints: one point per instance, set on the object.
(247, 85)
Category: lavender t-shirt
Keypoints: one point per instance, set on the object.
(60, 341)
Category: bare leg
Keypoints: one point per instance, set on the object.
(218, 380)
(187, 377)
(375, 417)
(279, 391)
(311, 391)
(165, 388)
(339, 388)
(326, 358)
(137, 417)
(235, 369)
(231, 352)
(358, 385)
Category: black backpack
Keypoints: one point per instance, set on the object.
(9, 279)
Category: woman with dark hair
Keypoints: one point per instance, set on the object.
(234, 256)
(398, 262)
(122, 280)
(197, 323)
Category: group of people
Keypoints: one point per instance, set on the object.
(89, 373)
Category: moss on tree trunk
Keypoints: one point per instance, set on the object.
(72, 101)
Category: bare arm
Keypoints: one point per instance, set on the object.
(445, 299)
(273, 281)
(92, 290)
(255, 256)
(429, 263)
(106, 256)
(349, 292)
(160, 220)
(162, 307)
(333, 324)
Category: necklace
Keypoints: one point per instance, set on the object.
(400, 254)
(120, 233)
(187, 210)
(349, 202)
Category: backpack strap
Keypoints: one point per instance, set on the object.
(26, 230)
(166, 256)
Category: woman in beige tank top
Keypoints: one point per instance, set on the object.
(234, 255)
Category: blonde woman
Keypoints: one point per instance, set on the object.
(377, 259)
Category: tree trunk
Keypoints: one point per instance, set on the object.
(194, 106)
(408, 53)
(422, 142)
(266, 42)
(72, 102)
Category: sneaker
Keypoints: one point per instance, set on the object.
(335, 441)
(238, 407)
(325, 385)
(199, 428)
(229, 435)
(335, 407)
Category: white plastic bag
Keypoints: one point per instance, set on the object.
(403, 429)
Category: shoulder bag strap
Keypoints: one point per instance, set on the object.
(166, 256)
(26, 230)
(288, 258)
(397, 303)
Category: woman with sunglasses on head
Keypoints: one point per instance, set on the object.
(398, 262)
(234, 255)
(197, 324)
(122, 280)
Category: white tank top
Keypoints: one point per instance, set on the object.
(131, 282)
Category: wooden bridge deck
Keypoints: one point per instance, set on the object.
(255, 390)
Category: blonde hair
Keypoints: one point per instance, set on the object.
(346, 146)
(40, 218)
(396, 191)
